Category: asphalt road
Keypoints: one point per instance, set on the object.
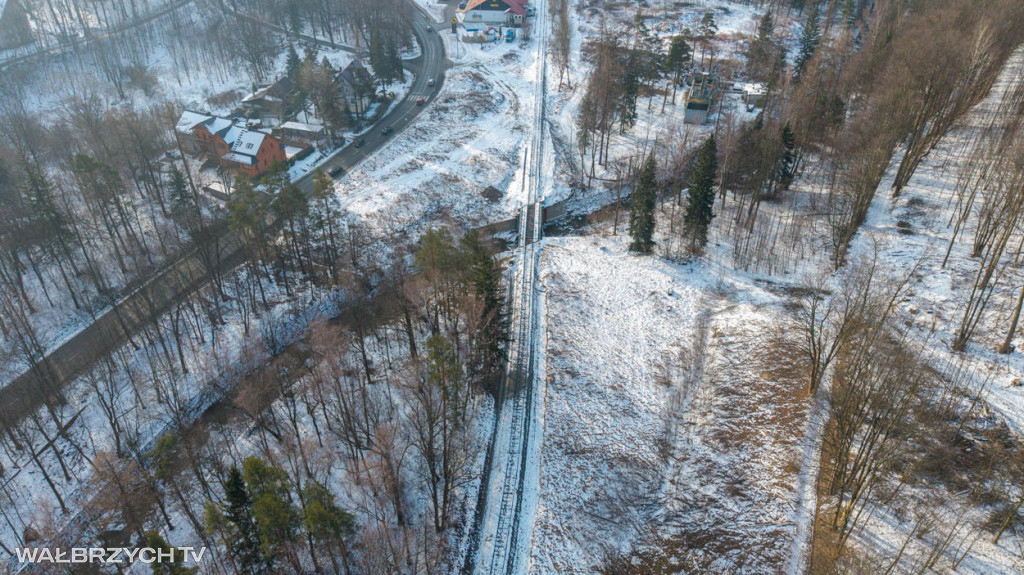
(179, 279)
(430, 64)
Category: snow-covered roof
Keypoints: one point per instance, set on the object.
(188, 119)
(217, 125)
(239, 158)
(232, 134)
(3, 4)
(248, 142)
(301, 127)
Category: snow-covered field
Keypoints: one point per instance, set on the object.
(672, 434)
(468, 140)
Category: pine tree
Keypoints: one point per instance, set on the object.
(679, 55)
(272, 508)
(702, 195)
(707, 30)
(329, 525)
(641, 214)
(808, 41)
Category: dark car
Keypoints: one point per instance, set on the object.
(386, 131)
(462, 5)
(336, 171)
(359, 143)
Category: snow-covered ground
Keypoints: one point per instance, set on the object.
(469, 139)
(671, 433)
(911, 234)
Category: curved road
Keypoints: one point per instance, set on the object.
(178, 279)
(430, 64)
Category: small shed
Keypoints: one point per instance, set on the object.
(699, 98)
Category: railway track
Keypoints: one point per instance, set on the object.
(502, 539)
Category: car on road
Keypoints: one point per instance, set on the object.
(462, 5)
(431, 82)
(387, 131)
(359, 143)
(430, 28)
(420, 101)
(336, 171)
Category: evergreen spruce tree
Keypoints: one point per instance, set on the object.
(238, 510)
(183, 202)
(762, 48)
(378, 57)
(641, 214)
(393, 61)
(627, 103)
(787, 164)
(293, 63)
(701, 195)
(485, 279)
(808, 40)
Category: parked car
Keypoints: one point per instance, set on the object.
(359, 143)
(420, 101)
(462, 5)
(431, 82)
(336, 171)
(386, 131)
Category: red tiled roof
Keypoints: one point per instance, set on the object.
(514, 6)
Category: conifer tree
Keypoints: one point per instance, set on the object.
(272, 509)
(641, 214)
(679, 55)
(176, 565)
(762, 49)
(848, 11)
(245, 545)
(701, 195)
(329, 525)
(485, 278)
(787, 164)
(808, 40)
(293, 63)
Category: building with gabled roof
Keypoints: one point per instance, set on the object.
(234, 145)
(478, 14)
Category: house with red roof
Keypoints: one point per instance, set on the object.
(479, 14)
(234, 145)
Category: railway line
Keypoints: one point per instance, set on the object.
(502, 537)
